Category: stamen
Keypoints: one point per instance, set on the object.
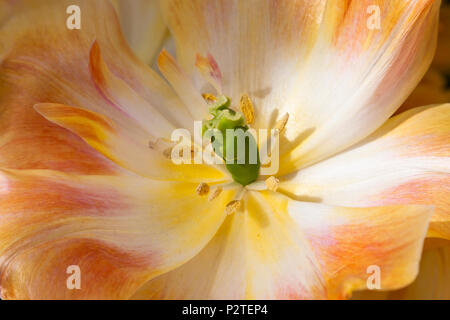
(210, 98)
(167, 153)
(232, 207)
(210, 70)
(272, 183)
(256, 186)
(215, 193)
(268, 164)
(281, 124)
(202, 189)
(247, 108)
(159, 143)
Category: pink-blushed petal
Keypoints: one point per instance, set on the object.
(432, 283)
(127, 106)
(407, 161)
(353, 244)
(320, 61)
(182, 85)
(129, 146)
(143, 27)
(43, 61)
(120, 231)
(278, 248)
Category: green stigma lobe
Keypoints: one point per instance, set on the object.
(243, 163)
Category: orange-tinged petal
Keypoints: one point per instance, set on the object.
(407, 161)
(126, 104)
(352, 244)
(120, 231)
(317, 60)
(432, 283)
(127, 146)
(42, 61)
(183, 85)
(283, 249)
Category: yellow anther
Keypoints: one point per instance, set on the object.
(202, 189)
(247, 108)
(209, 97)
(281, 124)
(232, 206)
(215, 193)
(272, 183)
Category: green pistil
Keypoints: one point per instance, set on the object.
(225, 118)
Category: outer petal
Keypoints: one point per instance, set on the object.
(432, 283)
(407, 161)
(120, 231)
(143, 27)
(284, 249)
(317, 60)
(127, 146)
(349, 242)
(43, 61)
(431, 90)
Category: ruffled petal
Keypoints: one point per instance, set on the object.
(283, 249)
(432, 283)
(143, 27)
(356, 245)
(317, 60)
(129, 147)
(407, 161)
(120, 231)
(43, 61)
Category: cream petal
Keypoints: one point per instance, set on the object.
(407, 161)
(317, 60)
(257, 254)
(127, 145)
(283, 249)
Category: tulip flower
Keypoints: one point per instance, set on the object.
(85, 179)
(435, 87)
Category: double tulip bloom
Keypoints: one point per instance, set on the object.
(85, 127)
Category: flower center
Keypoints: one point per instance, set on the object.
(230, 138)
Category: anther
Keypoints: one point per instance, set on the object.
(281, 124)
(202, 189)
(232, 207)
(272, 183)
(247, 108)
(215, 193)
(209, 97)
